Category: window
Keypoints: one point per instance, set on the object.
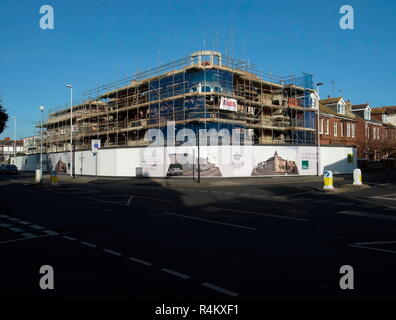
(348, 130)
(385, 118)
(373, 133)
(327, 126)
(353, 130)
(340, 108)
(321, 126)
(367, 114)
(335, 129)
(341, 129)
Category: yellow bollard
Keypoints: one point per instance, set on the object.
(54, 177)
(328, 180)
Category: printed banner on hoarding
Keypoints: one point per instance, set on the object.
(228, 104)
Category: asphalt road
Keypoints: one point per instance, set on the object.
(233, 240)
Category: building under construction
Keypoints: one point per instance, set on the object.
(206, 90)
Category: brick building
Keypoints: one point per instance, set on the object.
(337, 122)
(376, 136)
(8, 147)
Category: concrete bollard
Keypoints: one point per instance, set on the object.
(328, 180)
(357, 177)
(37, 178)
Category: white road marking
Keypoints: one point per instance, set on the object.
(219, 289)
(16, 230)
(146, 263)
(371, 248)
(89, 244)
(296, 194)
(13, 219)
(3, 216)
(51, 232)
(129, 200)
(24, 222)
(70, 238)
(29, 235)
(386, 197)
(244, 194)
(343, 203)
(263, 214)
(112, 252)
(106, 201)
(369, 215)
(374, 242)
(210, 221)
(259, 196)
(5, 225)
(150, 198)
(382, 185)
(175, 273)
(37, 227)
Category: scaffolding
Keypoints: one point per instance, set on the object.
(276, 110)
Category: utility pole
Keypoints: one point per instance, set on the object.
(71, 129)
(318, 130)
(41, 143)
(15, 143)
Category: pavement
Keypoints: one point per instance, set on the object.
(247, 239)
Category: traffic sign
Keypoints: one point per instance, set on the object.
(95, 145)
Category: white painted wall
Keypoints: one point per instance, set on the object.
(124, 161)
(336, 159)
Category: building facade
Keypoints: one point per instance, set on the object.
(206, 90)
(10, 147)
(376, 136)
(337, 122)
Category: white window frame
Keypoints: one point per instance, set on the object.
(340, 108)
(385, 118)
(321, 126)
(353, 130)
(335, 131)
(341, 129)
(348, 130)
(367, 114)
(327, 126)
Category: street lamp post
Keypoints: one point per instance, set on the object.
(15, 146)
(196, 126)
(318, 129)
(71, 129)
(41, 143)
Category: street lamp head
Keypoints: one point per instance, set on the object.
(41, 108)
(69, 86)
(319, 84)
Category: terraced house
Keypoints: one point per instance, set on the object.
(337, 122)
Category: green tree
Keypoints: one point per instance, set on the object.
(3, 118)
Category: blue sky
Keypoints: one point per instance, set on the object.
(101, 41)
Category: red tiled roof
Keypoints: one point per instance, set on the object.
(330, 100)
